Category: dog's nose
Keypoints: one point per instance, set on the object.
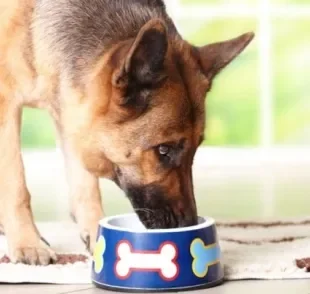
(186, 217)
(188, 221)
(186, 214)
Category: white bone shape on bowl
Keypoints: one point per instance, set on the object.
(162, 261)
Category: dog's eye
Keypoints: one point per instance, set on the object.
(169, 154)
(164, 150)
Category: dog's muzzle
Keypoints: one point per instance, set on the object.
(155, 210)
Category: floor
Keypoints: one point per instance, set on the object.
(254, 287)
(233, 184)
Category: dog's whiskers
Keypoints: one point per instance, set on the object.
(146, 210)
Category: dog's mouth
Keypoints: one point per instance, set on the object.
(154, 211)
(162, 218)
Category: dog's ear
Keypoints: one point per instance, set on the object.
(216, 56)
(144, 62)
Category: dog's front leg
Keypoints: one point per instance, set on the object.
(85, 198)
(23, 238)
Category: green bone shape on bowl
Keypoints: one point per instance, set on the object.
(98, 254)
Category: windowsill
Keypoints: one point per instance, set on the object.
(209, 156)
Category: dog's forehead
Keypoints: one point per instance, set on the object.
(175, 118)
(179, 105)
(173, 106)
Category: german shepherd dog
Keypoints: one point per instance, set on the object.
(127, 94)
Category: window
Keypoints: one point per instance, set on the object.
(261, 99)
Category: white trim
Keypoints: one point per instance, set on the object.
(218, 11)
(207, 11)
(133, 225)
(265, 76)
(294, 11)
(207, 157)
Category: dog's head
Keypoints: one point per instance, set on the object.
(148, 117)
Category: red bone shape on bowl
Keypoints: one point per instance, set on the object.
(162, 261)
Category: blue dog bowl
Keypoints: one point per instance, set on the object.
(130, 258)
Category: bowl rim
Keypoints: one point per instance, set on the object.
(106, 223)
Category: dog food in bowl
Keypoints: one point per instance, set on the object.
(129, 257)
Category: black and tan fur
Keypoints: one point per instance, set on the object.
(127, 95)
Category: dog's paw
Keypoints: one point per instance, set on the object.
(89, 238)
(38, 254)
(87, 219)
